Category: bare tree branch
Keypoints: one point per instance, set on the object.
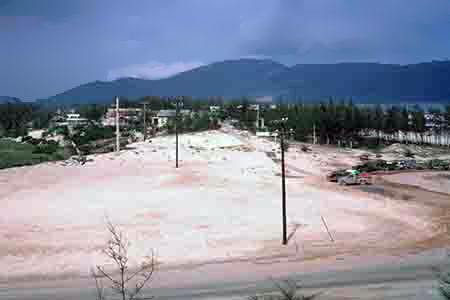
(117, 251)
(98, 286)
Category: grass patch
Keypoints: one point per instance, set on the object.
(13, 154)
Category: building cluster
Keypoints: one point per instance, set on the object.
(431, 121)
(126, 116)
(70, 119)
(154, 118)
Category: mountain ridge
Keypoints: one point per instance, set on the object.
(376, 82)
(9, 99)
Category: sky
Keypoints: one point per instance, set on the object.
(49, 46)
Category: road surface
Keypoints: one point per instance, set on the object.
(410, 278)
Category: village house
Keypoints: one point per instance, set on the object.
(164, 115)
(254, 106)
(126, 116)
(71, 119)
(259, 123)
(214, 108)
(74, 120)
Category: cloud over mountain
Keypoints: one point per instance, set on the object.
(152, 70)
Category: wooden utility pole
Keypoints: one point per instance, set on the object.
(314, 134)
(176, 134)
(145, 122)
(257, 116)
(117, 126)
(283, 186)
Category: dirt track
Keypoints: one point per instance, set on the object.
(222, 205)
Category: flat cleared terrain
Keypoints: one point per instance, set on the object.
(433, 181)
(222, 205)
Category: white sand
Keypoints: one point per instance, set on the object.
(220, 203)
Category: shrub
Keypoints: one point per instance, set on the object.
(444, 284)
(371, 166)
(93, 133)
(305, 148)
(49, 147)
(63, 130)
(288, 290)
(409, 153)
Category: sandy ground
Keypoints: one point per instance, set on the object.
(433, 181)
(222, 204)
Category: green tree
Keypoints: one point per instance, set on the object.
(304, 124)
(378, 122)
(93, 112)
(14, 118)
(404, 123)
(200, 122)
(437, 119)
(447, 123)
(392, 123)
(418, 122)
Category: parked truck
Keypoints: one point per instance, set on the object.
(349, 177)
(355, 179)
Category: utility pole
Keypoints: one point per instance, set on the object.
(283, 185)
(314, 133)
(281, 124)
(117, 126)
(176, 134)
(177, 103)
(145, 123)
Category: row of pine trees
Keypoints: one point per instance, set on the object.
(346, 123)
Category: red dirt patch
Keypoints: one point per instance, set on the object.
(188, 177)
(203, 226)
(152, 215)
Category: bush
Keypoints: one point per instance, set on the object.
(287, 290)
(63, 130)
(371, 166)
(409, 153)
(49, 147)
(444, 284)
(93, 133)
(305, 148)
(18, 159)
(437, 164)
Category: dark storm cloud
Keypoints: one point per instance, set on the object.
(382, 30)
(48, 10)
(49, 46)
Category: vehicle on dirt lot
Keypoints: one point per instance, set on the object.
(333, 176)
(407, 164)
(354, 179)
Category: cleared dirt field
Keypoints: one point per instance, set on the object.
(222, 204)
(433, 181)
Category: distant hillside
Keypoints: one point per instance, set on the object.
(8, 99)
(369, 81)
(364, 82)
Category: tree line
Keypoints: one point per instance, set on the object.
(16, 118)
(346, 123)
(326, 122)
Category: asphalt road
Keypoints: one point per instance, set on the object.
(414, 278)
